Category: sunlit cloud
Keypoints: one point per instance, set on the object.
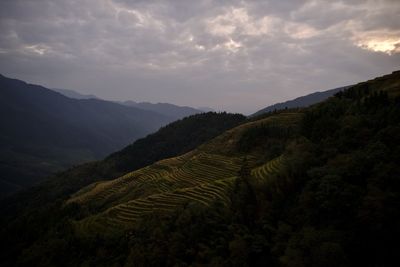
(386, 45)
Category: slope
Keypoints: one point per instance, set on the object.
(36, 203)
(316, 187)
(169, 141)
(44, 131)
(203, 175)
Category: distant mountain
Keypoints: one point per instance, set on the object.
(206, 109)
(174, 112)
(44, 131)
(170, 110)
(300, 102)
(73, 94)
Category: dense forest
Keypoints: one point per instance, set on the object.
(330, 197)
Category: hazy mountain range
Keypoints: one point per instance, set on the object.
(167, 109)
(44, 131)
(173, 111)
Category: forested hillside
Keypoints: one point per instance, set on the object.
(318, 186)
(174, 139)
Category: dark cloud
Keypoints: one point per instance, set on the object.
(234, 55)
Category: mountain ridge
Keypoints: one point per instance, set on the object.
(44, 131)
(302, 101)
(175, 112)
(171, 110)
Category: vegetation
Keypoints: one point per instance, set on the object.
(174, 139)
(44, 132)
(316, 187)
(26, 215)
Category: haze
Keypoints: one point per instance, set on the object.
(238, 56)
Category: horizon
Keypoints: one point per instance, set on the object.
(200, 108)
(236, 56)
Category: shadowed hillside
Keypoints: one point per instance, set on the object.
(315, 187)
(172, 140)
(44, 131)
(203, 176)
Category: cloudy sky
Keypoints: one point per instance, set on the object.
(229, 55)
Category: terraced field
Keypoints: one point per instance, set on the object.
(263, 173)
(124, 216)
(204, 176)
(161, 177)
(204, 192)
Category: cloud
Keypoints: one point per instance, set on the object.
(234, 55)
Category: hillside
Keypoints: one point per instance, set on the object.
(176, 138)
(204, 175)
(44, 131)
(301, 102)
(319, 186)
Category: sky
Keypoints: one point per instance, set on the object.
(238, 56)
